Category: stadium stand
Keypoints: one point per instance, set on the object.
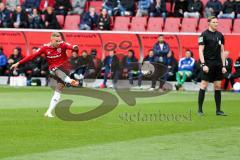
(21, 1)
(169, 7)
(236, 26)
(155, 24)
(138, 24)
(60, 19)
(225, 25)
(172, 25)
(203, 24)
(112, 22)
(222, 1)
(189, 25)
(97, 5)
(43, 17)
(204, 2)
(121, 23)
(72, 22)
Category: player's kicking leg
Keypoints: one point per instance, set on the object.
(64, 77)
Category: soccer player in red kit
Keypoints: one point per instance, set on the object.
(57, 59)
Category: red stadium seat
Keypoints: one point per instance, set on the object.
(236, 26)
(155, 24)
(189, 25)
(204, 2)
(22, 1)
(172, 25)
(225, 25)
(222, 1)
(72, 22)
(60, 19)
(97, 5)
(87, 4)
(121, 23)
(112, 22)
(169, 7)
(138, 24)
(43, 17)
(203, 25)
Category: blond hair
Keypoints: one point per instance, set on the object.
(55, 34)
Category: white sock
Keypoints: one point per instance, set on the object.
(55, 99)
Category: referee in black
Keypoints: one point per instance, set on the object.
(211, 54)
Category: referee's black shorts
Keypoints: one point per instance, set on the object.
(215, 71)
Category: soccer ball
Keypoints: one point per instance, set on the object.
(78, 76)
(236, 87)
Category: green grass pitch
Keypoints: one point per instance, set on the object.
(26, 135)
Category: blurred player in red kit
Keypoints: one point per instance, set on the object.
(57, 59)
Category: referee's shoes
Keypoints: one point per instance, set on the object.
(218, 113)
(200, 113)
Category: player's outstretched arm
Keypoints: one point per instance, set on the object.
(70, 46)
(26, 59)
(14, 66)
(75, 47)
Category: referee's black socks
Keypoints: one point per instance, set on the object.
(217, 96)
(201, 96)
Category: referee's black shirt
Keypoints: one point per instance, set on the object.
(212, 42)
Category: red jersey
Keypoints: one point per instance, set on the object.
(56, 57)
